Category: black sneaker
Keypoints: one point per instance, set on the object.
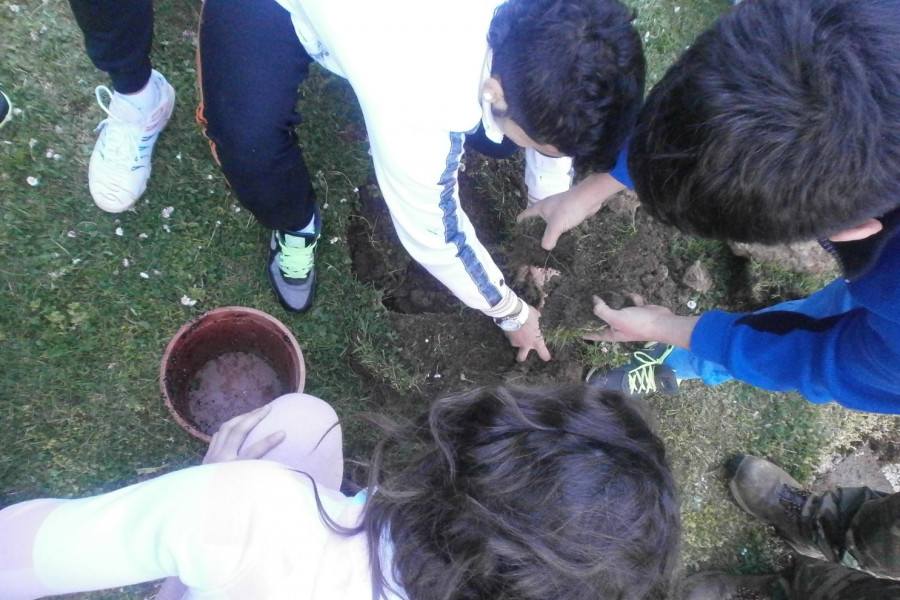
(291, 267)
(644, 374)
(5, 109)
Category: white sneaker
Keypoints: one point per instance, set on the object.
(120, 163)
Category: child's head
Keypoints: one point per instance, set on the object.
(780, 123)
(572, 73)
(530, 493)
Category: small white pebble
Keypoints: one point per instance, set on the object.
(120, 231)
(692, 304)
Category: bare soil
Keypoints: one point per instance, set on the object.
(450, 347)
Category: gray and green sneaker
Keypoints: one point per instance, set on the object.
(291, 267)
(644, 374)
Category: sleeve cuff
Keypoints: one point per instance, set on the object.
(620, 170)
(505, 307)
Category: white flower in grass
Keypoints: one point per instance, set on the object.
(75, 261)
(167, 212)
(144, 275)
(142, 236)
(187, 301)
(334, 240)
(126, 262)
(119, 231)
(33, 181)
(166, 229)
(236, 208)
(71, 234)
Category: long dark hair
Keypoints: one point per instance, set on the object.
(524, 493)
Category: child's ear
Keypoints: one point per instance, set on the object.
(865, 229)
(492, 92)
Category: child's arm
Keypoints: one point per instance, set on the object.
(564, 211)
(849, 358)
(846, 358)
(244, 525)
(643, 323)
(568, 209)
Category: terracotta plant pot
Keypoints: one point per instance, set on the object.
(226, 362)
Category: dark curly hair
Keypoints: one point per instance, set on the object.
(572, 73)
(781, 123)
(526, 493)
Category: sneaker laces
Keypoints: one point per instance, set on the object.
(121, 146)
(296, 262)
(642, 378)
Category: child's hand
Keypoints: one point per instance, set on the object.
(227, 443)
(529, 337)
(568, 209)
(642, 323)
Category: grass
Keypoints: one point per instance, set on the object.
(90, 299)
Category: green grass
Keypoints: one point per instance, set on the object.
(82, 330)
